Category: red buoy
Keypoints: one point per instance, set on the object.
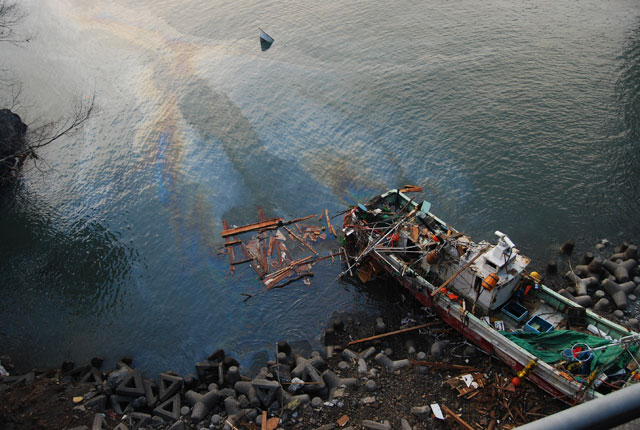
(516, 381)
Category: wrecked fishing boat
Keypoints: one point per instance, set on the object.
(484, 291)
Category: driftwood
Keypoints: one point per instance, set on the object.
(251, 227)
(391, 333)
(442, 365)
(302, 241)
(459, 420)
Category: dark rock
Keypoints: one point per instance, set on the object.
(139, 402)
(12, 141)
(552, 267)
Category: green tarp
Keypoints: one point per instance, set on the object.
(549, 346)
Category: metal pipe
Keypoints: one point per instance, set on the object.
(601, 413)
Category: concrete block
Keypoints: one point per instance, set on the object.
(391, 364)
(169, 409)
(168, 385)
(247, 389)
(132, 385)
(266, 391)
(374, 425)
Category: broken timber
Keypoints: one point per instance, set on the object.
(404, 330)
(272, 223)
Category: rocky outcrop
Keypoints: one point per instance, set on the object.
(12, 141)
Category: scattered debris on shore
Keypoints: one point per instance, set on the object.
(406, 370)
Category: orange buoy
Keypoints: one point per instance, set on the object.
(490, 281)
(516, 381)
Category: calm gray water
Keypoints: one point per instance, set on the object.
(514, 115)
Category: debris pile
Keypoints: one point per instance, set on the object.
(278, 254)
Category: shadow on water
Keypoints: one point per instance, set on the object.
(268, 177)
(66, 276)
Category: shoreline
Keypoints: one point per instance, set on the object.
(391, 382)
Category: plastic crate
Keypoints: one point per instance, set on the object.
(515, 311)
(538, 325)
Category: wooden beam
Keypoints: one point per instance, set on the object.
(230, 252)
(302, 241)
(459, 420)
(251, 227)
(391, 333)
(441, 365)
(232, 242)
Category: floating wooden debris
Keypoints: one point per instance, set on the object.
(252, 227)
(267, 253)
(411, 189)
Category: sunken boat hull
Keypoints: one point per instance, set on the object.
(395, 235)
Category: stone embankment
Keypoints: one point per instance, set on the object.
(380, 384)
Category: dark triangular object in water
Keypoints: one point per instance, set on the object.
(265, 40)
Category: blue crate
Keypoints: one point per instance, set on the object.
(538, 325)
(515, 311)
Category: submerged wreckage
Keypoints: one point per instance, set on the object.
(484, 292)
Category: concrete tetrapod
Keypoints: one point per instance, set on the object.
(581, 285)
(622, 270)
(391, 364)
(617, 294)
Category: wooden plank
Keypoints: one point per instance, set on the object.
(303, 242)
(295, 220)
(251, 227)
(391, 333)
(246, 260)
(272, 242)
(230, 252)
(232, 242)
(441, 365)
(459, 420)
(255, 267)
(411, 189)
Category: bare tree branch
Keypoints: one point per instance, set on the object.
(10, 16)
(84, 108)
